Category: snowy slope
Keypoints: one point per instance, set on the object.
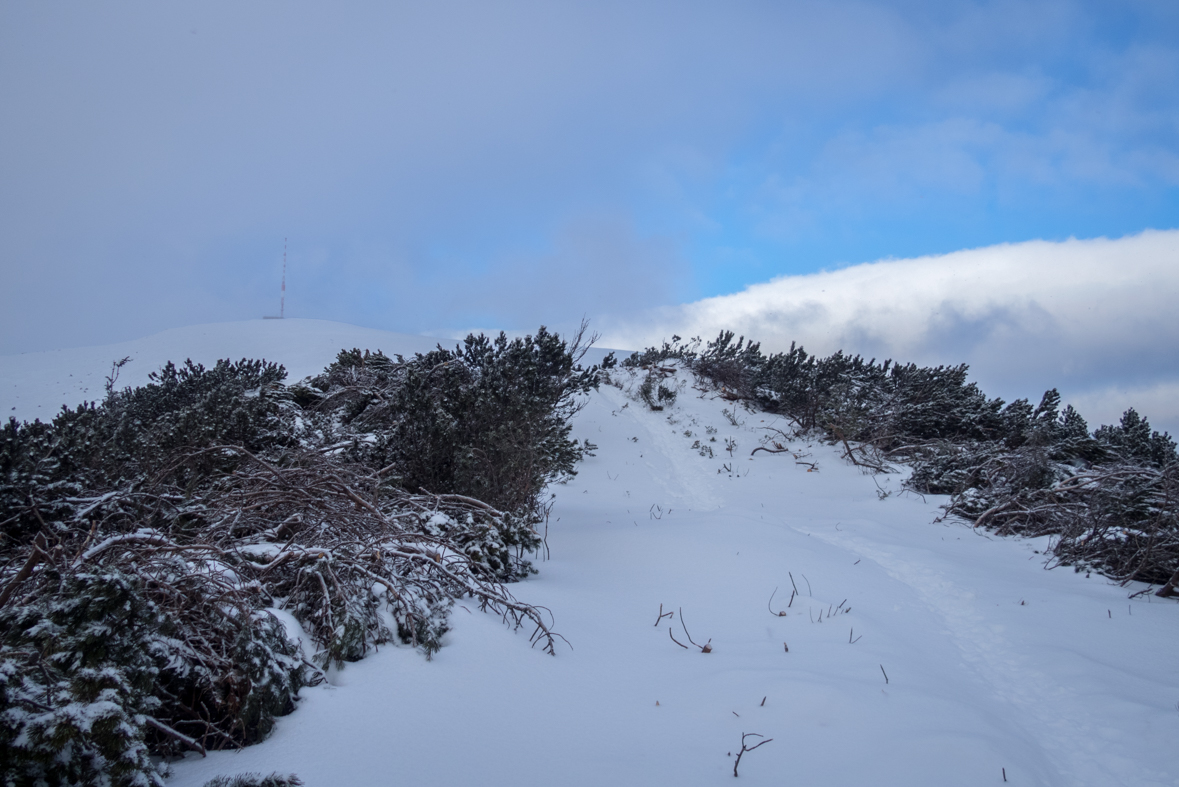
(992, 663)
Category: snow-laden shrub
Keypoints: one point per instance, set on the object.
(147, 539)
(489, 419)
(255, 780)
(135, 433)
(1109, 496)
(654, 393)
(76, 684)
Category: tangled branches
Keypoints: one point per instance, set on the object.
(1121, 519)
(196, 582)
(343, 533)
(1108, 497)
(178, 561)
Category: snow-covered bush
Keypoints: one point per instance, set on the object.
(489, 419)
(1110, 496)
(76, 680)
(134, 436)
(254, 780)
(653, 392)
(150, 541)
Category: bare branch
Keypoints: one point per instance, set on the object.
(745, 749)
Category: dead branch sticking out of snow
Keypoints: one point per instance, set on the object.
(745, 748)
(781, 613)
(705, 648)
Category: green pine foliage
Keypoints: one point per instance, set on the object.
(76, 679)
(489, 419)
(140, 433)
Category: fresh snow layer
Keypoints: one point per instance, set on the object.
(993, 664)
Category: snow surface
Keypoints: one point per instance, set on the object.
(993, 664)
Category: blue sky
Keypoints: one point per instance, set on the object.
(454, 165)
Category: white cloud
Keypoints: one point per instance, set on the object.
(1094, 318)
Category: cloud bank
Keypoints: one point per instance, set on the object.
(1094, 318)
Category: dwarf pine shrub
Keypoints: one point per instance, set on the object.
(1110, 497)
(76, 680)
(150, 540)
(489, 419)
(255, 780)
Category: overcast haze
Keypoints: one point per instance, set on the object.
(453, 165)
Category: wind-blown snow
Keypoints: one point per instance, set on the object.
(992, 662)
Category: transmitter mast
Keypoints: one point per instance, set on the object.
(282, 298)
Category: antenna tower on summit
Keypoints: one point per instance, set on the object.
(282, 298)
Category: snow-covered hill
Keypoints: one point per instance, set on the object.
(911, 653)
